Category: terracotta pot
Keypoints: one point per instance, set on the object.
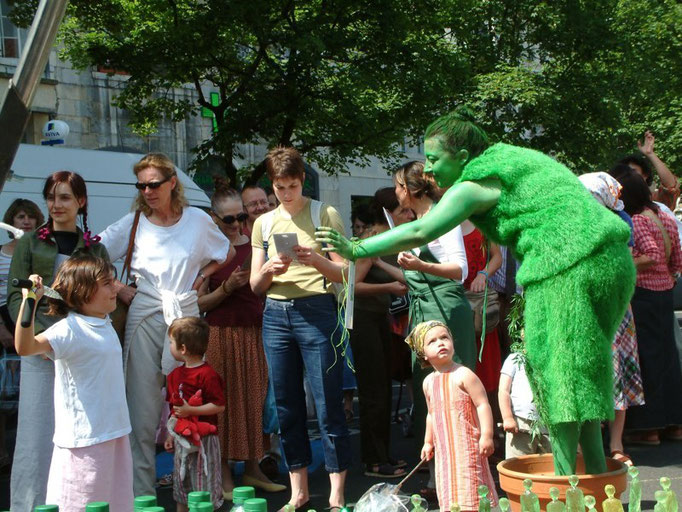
(540, 469)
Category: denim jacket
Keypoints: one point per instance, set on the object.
(35, 256)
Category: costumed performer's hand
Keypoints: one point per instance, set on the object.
(510, 425)
(169, 444)
(427, 451)
(409, 261)
(647, 148)
(335, 241)
(486, 447)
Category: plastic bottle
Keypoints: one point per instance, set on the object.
(256, 505)
(97, 506)
(143, 502)
(202, 506)
(154, 508)
(239, 496)
(47, 508)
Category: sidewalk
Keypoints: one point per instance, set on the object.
(653, 463)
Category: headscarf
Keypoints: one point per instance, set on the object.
(416, 338)
(605, 189)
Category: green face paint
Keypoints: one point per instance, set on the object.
(445, 168)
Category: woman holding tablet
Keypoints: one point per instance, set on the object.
(300, 324)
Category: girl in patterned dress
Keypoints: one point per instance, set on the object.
(459, 425)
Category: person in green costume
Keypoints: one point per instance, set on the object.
(576, 269)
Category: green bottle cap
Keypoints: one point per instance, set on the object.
(153, 508)
(241, 494)
(144, 502)
(198, 497)
(256, 505)
(202, 506)
(97, 506)
(47, 508)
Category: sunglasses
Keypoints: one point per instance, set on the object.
(229, 219)
(153, 185)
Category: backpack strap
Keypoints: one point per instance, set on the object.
(266, 229)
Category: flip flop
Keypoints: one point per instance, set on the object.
(621, 457)
(384, 470)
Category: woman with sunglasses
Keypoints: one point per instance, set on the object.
(175, 249)
(235, 348)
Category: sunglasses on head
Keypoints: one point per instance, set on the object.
(229, 219)
(153, 185)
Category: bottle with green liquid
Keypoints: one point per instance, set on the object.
(239, 496)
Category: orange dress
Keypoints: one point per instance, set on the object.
(460, 468)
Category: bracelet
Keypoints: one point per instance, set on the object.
(222, 285)
(484, 272)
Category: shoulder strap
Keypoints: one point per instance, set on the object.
(666, 238)
(266, 229)
(131, 244)
(315, 209)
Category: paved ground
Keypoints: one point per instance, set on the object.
(653, 462)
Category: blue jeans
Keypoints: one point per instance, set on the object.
(297, 336)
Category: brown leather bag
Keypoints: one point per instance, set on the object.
(120, 314)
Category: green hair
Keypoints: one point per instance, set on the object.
(458, 130)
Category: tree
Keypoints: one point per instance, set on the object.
(339, 79)
(343, 80)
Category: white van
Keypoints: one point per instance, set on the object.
(108, 175)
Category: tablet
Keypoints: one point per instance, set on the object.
(285, 243)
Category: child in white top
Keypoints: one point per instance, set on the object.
(91, 460)
(518, 411)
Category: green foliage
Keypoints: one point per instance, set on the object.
(344, 80)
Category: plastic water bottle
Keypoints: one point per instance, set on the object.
(256, 505)
(97, 506)
(46, 508)
(239, 496)
(143, 502)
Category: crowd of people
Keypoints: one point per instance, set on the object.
(245, 337)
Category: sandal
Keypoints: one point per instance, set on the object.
(621, 457)
(398, 464)
(384, 470)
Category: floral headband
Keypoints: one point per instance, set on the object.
(605, 189)
(416, 338)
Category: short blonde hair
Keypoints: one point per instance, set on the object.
(167, 168)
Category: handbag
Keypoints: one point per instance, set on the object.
(120, 314)
(492, 312)
(399, 304)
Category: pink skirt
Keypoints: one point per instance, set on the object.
(101, 472)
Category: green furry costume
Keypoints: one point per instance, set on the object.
(577, 273)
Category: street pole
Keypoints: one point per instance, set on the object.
(15, 110)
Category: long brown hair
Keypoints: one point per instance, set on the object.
(80, 192)
(418, 184)
(165, 166)
(77, 281)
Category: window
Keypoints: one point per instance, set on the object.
(11, 37)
